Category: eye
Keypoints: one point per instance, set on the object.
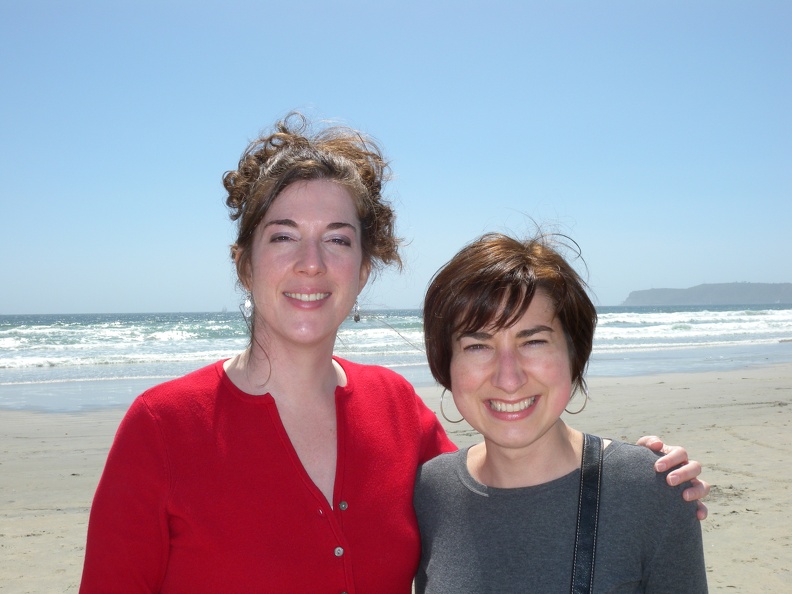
(534, 343)
(345, 241)
(475, 347)
(279, 237)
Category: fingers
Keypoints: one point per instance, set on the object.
(696, 491)
(674, 456)
(686, 472)
(652, 442)
(701, 511)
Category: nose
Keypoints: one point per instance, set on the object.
(508, 375)
(310, 259)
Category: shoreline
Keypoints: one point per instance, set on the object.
(94, 390)
(737, 423)
(85, 394)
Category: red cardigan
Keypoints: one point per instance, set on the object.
(203, 492)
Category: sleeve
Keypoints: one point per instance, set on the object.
(678, 562)
(435, 441)
(127, 546)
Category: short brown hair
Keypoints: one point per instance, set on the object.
(490, 283)
(293, 153)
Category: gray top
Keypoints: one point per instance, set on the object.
(481, 539)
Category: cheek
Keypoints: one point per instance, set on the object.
(346, 266)
(554, 363)
(464, 399)
(560, 377)
(465, 381)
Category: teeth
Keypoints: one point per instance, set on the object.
(308, 296)
(510, 407)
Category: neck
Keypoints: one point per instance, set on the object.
(552, 456)
(296, 373)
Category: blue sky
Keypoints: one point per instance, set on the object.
(657, 134)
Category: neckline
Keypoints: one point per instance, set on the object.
(267, 397)
(467, 479)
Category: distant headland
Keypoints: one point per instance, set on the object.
(716, 294)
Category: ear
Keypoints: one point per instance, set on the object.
(242, 267)
(365, 270)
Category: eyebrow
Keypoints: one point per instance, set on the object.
(481, 335)
(330, 226)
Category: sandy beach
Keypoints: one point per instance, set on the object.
(736, 423)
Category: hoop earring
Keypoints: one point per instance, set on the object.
(584, 387)
(442, 412)
(356, 311)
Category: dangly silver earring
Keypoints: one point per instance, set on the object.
(584, 387)
(442, 412)
(356, 311)
(247, 307)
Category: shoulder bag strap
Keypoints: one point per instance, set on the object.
(588, 514)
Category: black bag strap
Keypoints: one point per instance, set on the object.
(588, 515)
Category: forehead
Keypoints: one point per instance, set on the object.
(540, 310)
(317, 199)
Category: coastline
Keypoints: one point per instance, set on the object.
(736, 422)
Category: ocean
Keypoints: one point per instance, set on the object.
(80, 362)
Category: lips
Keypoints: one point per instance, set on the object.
(511, 407)
(306, 297)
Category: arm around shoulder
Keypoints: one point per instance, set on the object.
(678, 563)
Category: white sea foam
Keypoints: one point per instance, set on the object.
(47, 350)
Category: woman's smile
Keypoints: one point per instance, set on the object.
(307, 296)
(511, 407)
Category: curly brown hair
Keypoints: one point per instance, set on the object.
(491, 282)
(292, 152)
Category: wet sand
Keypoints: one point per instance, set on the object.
(737, 423)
